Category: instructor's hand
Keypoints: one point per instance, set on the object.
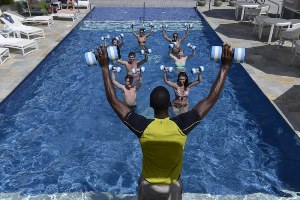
(227, 55)
(102, 57)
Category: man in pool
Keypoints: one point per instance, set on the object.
(132, 64)
(142, 37)
(118, 45)
(175, 41)
(162, 139)
(129, 90)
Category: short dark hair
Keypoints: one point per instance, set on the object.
(131, 54)
(114, 40)
(174, 34)
(160, 98)
(130, 78)
(142, 29)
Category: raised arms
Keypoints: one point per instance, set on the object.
(166, 36)
(116, 83)
(151, 31)
(197, 81)
(119, 107)
(204, 106)
(134, 33)
(169, 83)
(186, 34)
(143, 61)
(192, 54)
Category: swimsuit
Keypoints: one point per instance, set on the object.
(185, 93)
(180, 64)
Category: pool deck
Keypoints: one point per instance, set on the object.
(268, 67)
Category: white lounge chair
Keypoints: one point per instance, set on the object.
(83, 3)
(4, 55)
(18, 27)
(18, 43)
(67, 14)
(46, 19)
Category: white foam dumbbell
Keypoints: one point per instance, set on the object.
(197, 70)
(191, 46)
(90, 58)
(148, 51)
(163, 68)
(120, 36)
(238, 56)
(136, 70)
(117, 69)
(164, 26)
(105, 37)
(190, 25)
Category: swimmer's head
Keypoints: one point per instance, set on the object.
(114, 42)
(128, 80)
(142, 31)
(175, 36)
(183, 79)
(160, 98)
(180, 53)
(131, 57)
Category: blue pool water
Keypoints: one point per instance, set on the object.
(59, 134)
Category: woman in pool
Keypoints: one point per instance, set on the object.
(175, 40)
(180, 60)
(142, 37)
(181, 88)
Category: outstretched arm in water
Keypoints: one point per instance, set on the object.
(204, 106)
(119, 107)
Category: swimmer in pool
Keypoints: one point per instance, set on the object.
(132, 63)
(142, 37)
(181, 89)
(177, 42)
(118, 44)
(180, 60)
(129, 90)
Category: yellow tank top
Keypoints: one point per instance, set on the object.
(162, 145)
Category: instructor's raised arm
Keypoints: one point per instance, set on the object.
(204, 106)
(119, 107)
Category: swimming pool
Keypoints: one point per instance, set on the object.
(59, 134)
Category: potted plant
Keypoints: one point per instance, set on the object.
(232, 3)
(218, 3)
(201, 2)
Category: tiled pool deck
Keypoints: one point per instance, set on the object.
(268, 67)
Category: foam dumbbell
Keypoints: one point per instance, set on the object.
(197, 70)
(190, 25)
(117, 69)
(238, 57)
(105, 37)
(120, 36)
(191, 46)
(164, 26)
(148, 51)
(91, 60)
(163, 68)
(136, 70)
